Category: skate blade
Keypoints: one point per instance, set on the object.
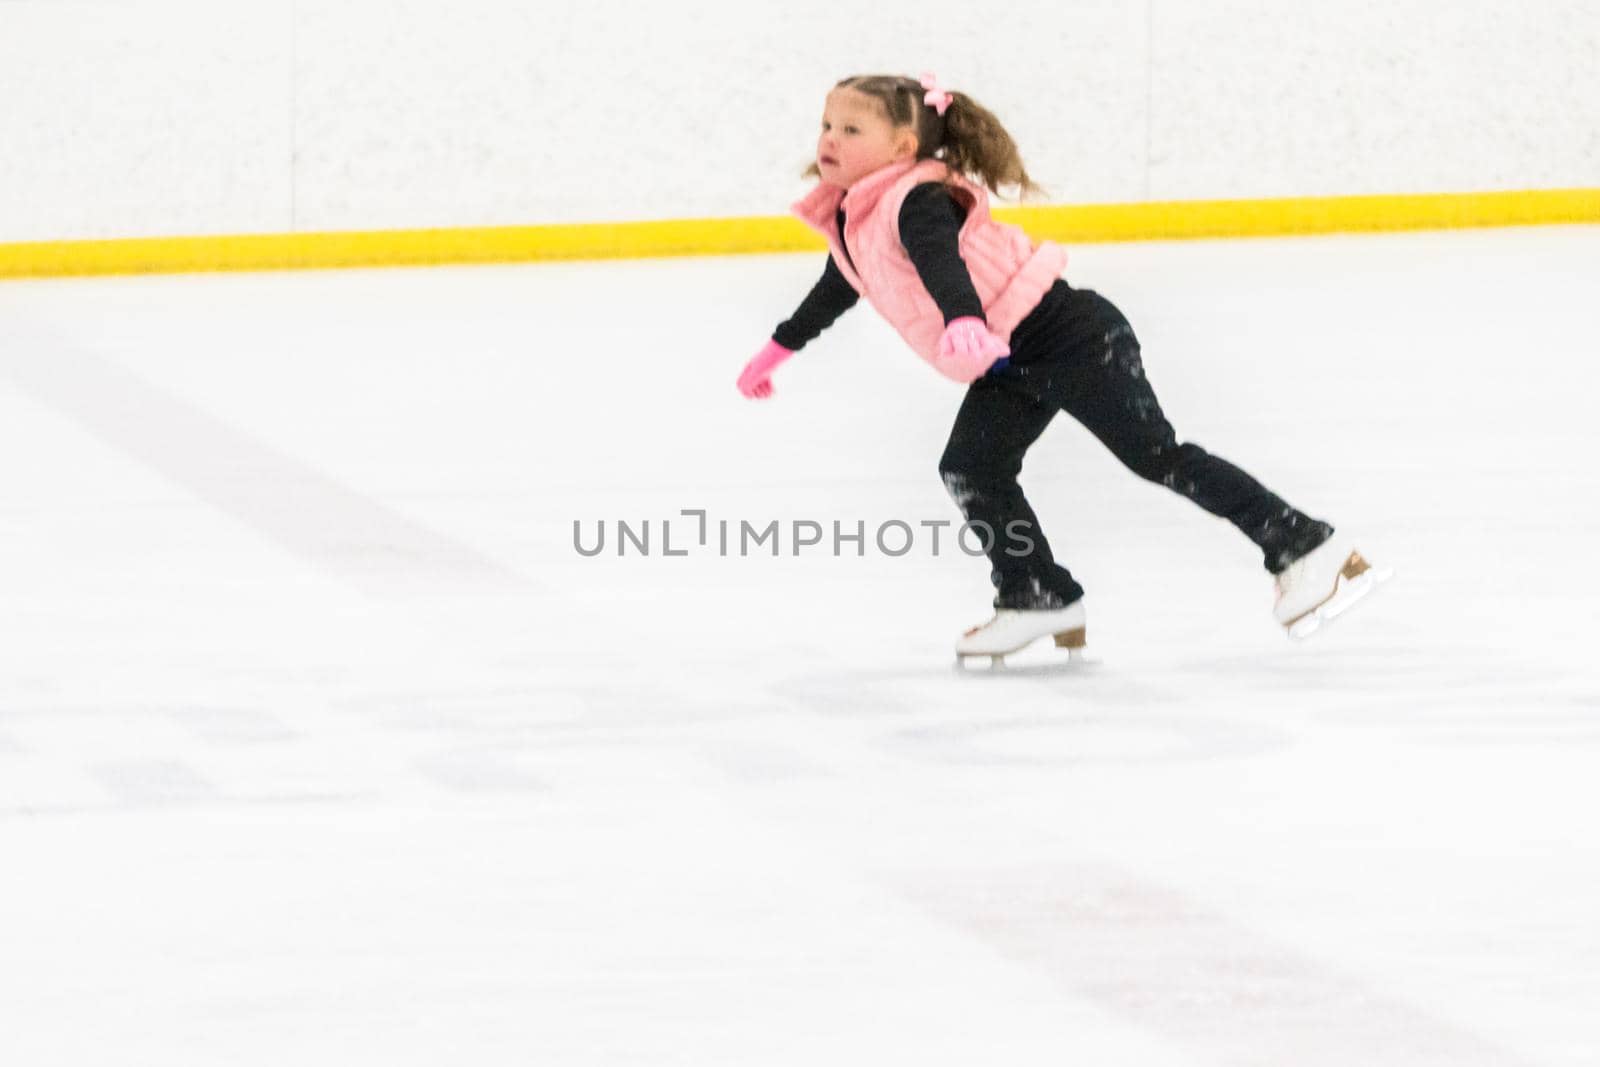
(1020, 662)
(1347, 593)
(1073, 641)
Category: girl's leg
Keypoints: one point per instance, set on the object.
(1112, 398)
(993, 430)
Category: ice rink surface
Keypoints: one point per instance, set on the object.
(322, 743)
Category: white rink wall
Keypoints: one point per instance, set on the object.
(149, 117)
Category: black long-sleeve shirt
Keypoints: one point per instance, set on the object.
(930, 227)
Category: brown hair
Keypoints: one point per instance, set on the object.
(967, 137)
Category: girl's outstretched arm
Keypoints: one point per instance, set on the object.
(831, 297)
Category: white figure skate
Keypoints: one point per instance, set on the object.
(1012, 630)
(1323, 584)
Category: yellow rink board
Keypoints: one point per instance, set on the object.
(1074, 224)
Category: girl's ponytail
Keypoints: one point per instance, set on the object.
(976, 144)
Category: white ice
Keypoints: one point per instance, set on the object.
(321, 744)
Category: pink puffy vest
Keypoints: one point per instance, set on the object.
(1009, 271)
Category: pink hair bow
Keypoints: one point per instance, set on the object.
(936, 97)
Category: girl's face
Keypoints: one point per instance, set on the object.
(857, 138)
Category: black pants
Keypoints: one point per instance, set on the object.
(1076, 353)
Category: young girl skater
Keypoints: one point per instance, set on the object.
(909, 228)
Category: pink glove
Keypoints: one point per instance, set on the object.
(756, 380)
(967, 349)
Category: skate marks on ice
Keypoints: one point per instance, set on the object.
(1206, 984)
(509, 737)
(325, 523)
(1410, 685)
(1035, 722)
(70, 759)
(533, 736)
(1077, 740)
